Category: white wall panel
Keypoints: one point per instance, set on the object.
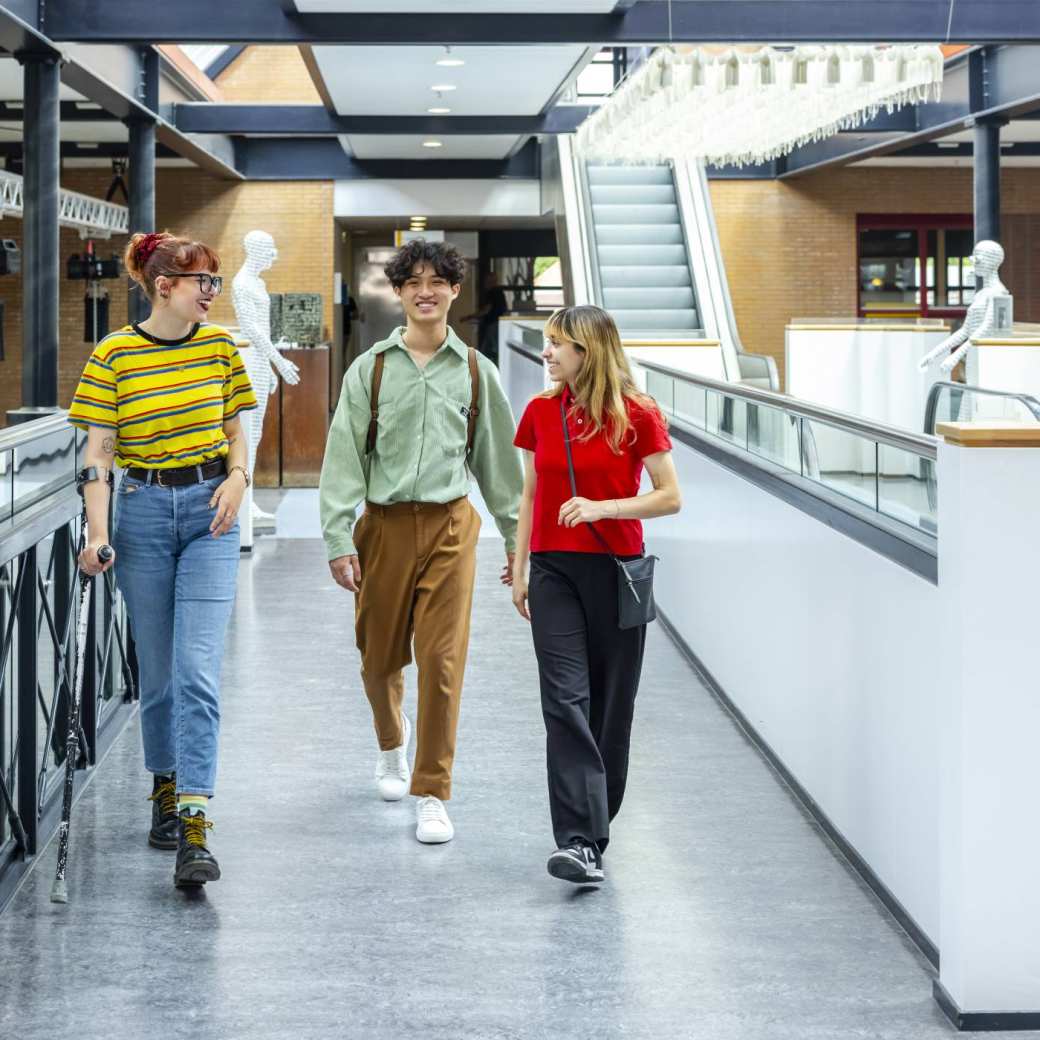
(830, 651)
(437, 198)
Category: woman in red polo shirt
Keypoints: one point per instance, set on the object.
(588, 667)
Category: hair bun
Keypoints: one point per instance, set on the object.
(147, 246)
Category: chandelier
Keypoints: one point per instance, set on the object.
(744, 106)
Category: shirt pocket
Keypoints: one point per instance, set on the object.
(453, 426)
(389, 435)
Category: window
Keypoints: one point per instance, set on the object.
(603, 73)
(893, 252)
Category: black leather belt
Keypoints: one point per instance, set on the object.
(179, 476)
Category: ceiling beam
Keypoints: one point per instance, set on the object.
(965, 149)
(323, 159)
(301, 120)
(222, 61)
(645, 22)
(986, 83)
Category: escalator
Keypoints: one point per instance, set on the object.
(641, 242)
(641, 269)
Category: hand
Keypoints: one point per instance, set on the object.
(506, 576)
(581, 511)
(287, 369)
(346, 572)
(227, 500)
(88, 559)
(520, 596)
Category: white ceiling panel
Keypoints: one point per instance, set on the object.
(408, 146)
(507, 81)
(12, 83)
(109, 132)
(456, 6)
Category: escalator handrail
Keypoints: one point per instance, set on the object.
(920, 444)
(932, 404)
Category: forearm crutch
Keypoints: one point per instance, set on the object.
(59, 891)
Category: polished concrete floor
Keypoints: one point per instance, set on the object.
(725, 916)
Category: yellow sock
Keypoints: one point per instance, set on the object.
(194, 803)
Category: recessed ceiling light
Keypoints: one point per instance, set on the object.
(448, 61)
(443, 87)
(438, 111)
(433, 144)
(414, 219)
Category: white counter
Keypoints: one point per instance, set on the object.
(868, 369)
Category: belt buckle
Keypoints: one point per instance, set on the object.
(158, 479)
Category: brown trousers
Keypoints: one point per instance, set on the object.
(418, 563)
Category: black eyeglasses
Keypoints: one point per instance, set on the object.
(210, 284)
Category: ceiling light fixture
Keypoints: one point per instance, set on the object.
(443, 87)
(433, 144)
(448, 61)
(438, 110)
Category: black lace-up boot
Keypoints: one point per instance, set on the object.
(195, 863)
(163, 834)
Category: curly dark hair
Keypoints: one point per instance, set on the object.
(446, 259)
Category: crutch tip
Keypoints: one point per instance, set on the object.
(59, 891)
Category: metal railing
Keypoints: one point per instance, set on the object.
(962, 397)
(39, 537)
(888, 471)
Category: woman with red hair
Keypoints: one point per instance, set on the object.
(161, 400)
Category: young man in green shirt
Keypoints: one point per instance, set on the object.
(405, 438)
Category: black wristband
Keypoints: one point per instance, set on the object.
(90, 474)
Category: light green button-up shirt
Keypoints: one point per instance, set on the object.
(420, 452)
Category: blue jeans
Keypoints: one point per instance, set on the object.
(179, 585)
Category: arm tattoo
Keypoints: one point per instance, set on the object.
(109, 445)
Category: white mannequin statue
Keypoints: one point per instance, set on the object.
(981, 319)
(252, 305)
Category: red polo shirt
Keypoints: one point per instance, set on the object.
(599, 473)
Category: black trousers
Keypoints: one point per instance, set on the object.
(589, 673)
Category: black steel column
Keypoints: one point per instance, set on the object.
(27, 665)
(142, 163)
(41, 257)
(987, 180)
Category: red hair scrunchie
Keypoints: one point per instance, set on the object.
(147, 246)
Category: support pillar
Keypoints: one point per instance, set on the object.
(987, 180)
(41, 256)
(142, 164)
(988, 718)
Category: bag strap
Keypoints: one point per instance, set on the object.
(574, 485)
(474, 400)
(373, 423)
(471, 415)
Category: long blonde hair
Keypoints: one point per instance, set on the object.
(605, 380)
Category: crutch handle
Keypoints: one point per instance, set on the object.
(104, 553)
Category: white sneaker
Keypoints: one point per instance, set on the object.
(434, 827)
(393, 775)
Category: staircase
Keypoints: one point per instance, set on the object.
(644, 272)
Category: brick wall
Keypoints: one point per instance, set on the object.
(269, 74)
(297, 214)
(790, 246)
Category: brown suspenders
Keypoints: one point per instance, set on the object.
(471, 415)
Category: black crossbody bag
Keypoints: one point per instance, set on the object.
(635, 596)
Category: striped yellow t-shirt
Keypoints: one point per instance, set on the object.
(167, 400)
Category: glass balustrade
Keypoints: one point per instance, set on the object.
(885, 470)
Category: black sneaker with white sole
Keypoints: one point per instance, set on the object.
(578, 862)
